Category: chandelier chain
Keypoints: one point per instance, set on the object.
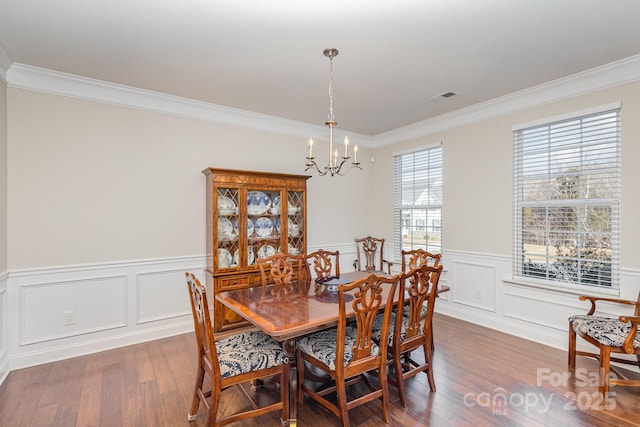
(332, 118)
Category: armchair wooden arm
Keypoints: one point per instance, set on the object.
(389, 265)
(614, 300)
(384, 261)
(627, 346)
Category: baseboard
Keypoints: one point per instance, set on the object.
(61, 352)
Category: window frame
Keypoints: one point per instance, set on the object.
(610, 204)
(427, 218)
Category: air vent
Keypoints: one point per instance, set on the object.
(443, 96)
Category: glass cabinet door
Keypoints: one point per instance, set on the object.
(295, 222)
(226, 234)
(263, 224)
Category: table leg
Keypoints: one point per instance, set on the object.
(289, 347)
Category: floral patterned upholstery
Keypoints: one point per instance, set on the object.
(248, 352)
(322, 346)
(605, 330)
(377, 328)
(423, 312)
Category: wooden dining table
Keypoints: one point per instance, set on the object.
(300, 310)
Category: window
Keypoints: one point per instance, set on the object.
(418, 200)
(567, 195)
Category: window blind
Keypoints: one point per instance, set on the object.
(567, 189)
(418, 200)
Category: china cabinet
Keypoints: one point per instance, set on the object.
(250, 215)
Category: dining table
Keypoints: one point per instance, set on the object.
(301, 309)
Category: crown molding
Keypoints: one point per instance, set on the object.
(48, 81)
(54, 82)
(5, 64)
(616, 73)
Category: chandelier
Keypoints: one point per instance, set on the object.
(334, 167)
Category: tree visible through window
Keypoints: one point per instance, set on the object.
(567, 195)
(418, 200)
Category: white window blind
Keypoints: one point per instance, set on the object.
(418, 200)
(567, 190)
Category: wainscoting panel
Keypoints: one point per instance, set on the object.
(528, 308)
(161, 295)
(58, 313)
(72, 307)
(528, 311)
(479, 285)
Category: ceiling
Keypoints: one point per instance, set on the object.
(396, 57)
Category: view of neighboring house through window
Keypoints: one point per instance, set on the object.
(567, 190)
(418, 200)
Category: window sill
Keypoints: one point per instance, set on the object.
(563, 287)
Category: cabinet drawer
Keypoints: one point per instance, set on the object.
(235, 282)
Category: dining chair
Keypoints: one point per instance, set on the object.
(287, 273)
(370, 255)
(417, 257)
(346, 352)
(325, 264)
(611, 335)
(409, 333)
(237, 359)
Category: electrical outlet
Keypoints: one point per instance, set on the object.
(68, 318)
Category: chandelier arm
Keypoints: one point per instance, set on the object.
(311, 164)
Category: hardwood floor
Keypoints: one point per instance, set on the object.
(476, 368)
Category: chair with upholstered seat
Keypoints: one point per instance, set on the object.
(230, 361)
(325, 264)
(611, 335)
(418, 257)
(370, 255)
(345, 353)
(418, 289)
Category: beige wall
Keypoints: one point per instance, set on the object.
(478, 191)
(92, 182)
(3, 177)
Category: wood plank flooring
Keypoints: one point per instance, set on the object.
(483, 378)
